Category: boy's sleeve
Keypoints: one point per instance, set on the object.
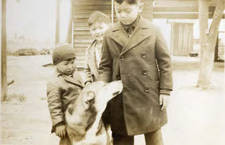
(164, 64)
(82, 77)
(105, 66)
(88, 76)
(87, 71)
(55, 104)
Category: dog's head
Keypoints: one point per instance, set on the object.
(98, 94)
(93, 100)
(84, 114)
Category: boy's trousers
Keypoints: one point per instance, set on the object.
(151, 138)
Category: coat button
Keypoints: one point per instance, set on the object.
(143, 55)
(144, 73)
(146, 90)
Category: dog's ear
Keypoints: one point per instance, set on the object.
(70, 109)
(90, 98)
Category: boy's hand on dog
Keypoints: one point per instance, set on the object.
(163, 101)
(60, 131)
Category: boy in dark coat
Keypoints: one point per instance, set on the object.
(62, 90)
(135, 52)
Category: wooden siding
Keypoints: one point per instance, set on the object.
(179, 9)
(181, 38)
(166, 9)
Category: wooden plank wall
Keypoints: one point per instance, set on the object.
(180, 9)
(182, 39)
(166, 9)
(148, 9)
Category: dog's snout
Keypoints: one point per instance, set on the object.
(90, 101)
(116, 93)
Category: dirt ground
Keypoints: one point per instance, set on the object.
(196, 117)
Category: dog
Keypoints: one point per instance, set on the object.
(83, 116)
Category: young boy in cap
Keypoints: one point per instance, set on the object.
(98, 23)
(135, 52)
(62, 90)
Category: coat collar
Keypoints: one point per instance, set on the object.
(92, 62)
(118, 34)
(70, 79)
(139, 34)
(73, 81)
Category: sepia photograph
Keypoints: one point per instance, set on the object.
(112, 72)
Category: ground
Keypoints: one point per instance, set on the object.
(196, 117)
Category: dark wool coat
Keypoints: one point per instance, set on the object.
(143, 64)
(60, 92)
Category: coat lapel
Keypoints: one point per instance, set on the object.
(72, 81)
(119, 35)
(92, 60)
(143, 31)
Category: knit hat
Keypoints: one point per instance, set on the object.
(62, 53)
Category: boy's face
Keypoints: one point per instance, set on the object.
(66, 67)
(97, 30)
(127, 13)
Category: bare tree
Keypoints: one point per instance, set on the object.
(208, 42)
(4, 54)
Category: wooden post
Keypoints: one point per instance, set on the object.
(216, 55)
(70, 28)
(57, 32)
(208, 41)
(4, 54)
(112, 11)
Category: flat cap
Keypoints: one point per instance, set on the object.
(62, 53)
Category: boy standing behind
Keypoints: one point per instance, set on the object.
(98, 23)
(135, 52)
(61, 91)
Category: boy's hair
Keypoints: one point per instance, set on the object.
(98, 16)
(129, 1)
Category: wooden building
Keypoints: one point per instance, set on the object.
(160, 9)
(81, 11)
